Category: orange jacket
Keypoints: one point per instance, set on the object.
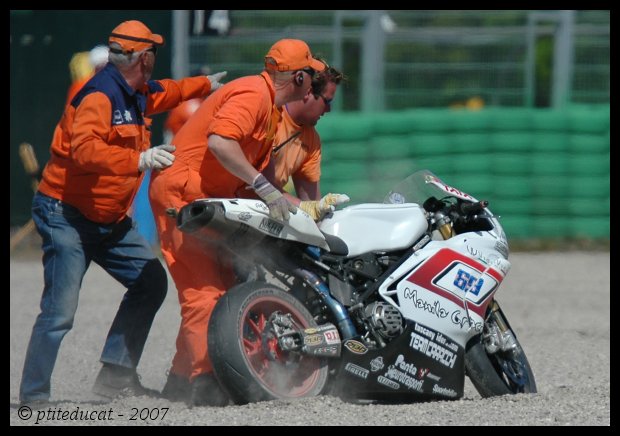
(242, 110)
(98, 141)
(300, 157)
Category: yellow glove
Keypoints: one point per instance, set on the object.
(318, 209)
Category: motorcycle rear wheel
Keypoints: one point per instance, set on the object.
(247, 360)
(500, 373)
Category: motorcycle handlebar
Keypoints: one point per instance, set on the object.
(467, 208)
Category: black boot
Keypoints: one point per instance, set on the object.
(118, 381)
(177, 388)
(206, 391)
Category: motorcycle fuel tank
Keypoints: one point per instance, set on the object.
(376, 226)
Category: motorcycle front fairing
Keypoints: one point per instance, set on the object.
(448, 284)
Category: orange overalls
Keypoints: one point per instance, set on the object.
(241, 110)
(180, 114)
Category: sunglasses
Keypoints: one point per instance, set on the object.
(309, 71)
(327, 101)
(153, 50)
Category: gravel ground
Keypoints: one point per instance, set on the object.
(558, 304)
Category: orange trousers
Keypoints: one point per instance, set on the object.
(200, 272)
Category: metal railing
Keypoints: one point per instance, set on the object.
(406, 59)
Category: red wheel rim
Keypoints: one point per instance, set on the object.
(287, 374)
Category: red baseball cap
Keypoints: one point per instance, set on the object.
(291, 55)
(134, 36)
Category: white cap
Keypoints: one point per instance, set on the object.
(98, 56)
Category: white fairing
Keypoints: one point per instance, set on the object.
(434, 283)
(300, 227)
(376, 226)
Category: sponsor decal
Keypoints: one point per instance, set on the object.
(421, 244)
(433, 350)
(433, 308)
(117, 118)
(460, 279)
(502, 248)
(422, 373)
(376, 364)
(313, 340)
(387, 382)
(261, 206)
(357, 370)
(444, 391)
(407, 367)
(433, 376)
(331, 336)
(437, 275)
(332, 350)
(423, 330)
(496, 262)
(468, 282)
(272, 227)
(448, 189)
(405, 374)
(127, 115)
(310, 331)
(356, 347)
(244, 216)
(396, 198)
(460, 319)
(446, 342)
(478, 254)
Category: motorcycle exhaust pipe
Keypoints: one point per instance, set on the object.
(340, 313)
(207, 221)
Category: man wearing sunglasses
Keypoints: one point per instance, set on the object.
(221, 150)
(99, 152)
(296, 152)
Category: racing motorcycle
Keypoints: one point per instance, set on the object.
(391, 301)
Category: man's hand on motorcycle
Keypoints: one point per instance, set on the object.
(318, 209)
(279, 207)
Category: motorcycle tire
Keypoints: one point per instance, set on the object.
(248, 361)
(500, 373)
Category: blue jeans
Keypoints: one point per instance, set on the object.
(70, 243)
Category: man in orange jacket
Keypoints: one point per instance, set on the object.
(221, 149)
(99, 151)
(296, 150)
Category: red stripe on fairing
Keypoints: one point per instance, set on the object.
(424, 275)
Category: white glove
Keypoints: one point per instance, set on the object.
(318, 209)
(279, 207)
(156, 157)
(215, 80)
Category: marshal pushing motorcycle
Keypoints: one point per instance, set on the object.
(390, 301)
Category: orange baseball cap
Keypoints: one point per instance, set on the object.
(291, 55)
(134, 36)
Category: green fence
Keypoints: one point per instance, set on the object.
(545, 172)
